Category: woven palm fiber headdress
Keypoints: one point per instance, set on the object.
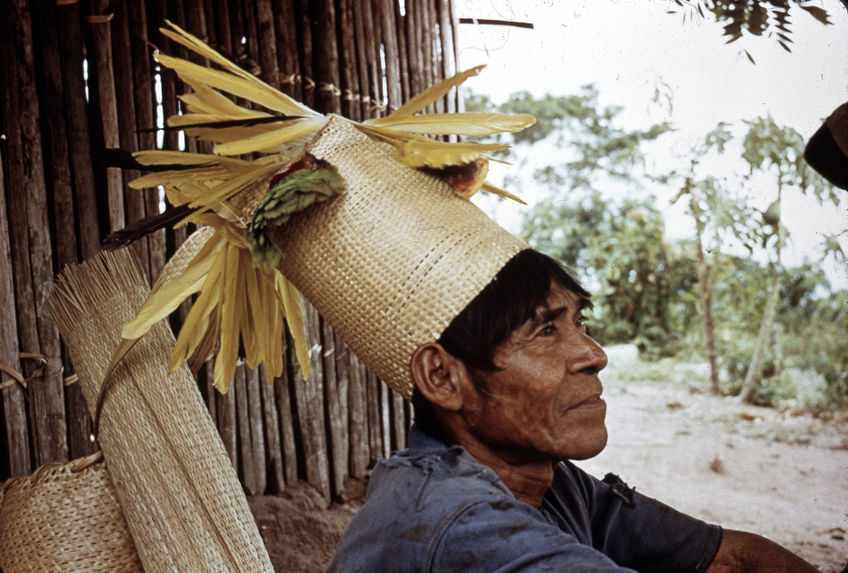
(370, 221)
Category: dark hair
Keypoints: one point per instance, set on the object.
(507, 302)
(510, 300)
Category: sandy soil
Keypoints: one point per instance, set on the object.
(779, 472)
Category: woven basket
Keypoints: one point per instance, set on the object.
(64, 517)
(394, 258)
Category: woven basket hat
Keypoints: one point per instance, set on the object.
(394, 258)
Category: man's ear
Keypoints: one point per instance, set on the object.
(438, 375)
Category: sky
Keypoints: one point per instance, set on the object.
(628, 48)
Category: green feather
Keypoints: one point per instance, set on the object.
(289, 195)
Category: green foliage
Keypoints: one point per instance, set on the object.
(585, 130)
(618, 246)
(771, 19)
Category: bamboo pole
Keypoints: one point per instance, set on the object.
(325, 56)
(348, 64)
(14, 407)
(287, 48)
(273, 438)
(268, 65)
(304, 44)
(336, 420)
(283, 386)
(61, 194)
(358, 415)
(70, 37)
(309, 401)
(102, 77)
(144, 99)
(122, 69)
(30, 239)
(390, 45)
(362, 62)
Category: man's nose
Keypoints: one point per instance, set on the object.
(587, 356)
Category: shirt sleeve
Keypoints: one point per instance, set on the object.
(632, 529)
(506, 535)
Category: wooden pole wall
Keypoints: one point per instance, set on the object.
(78, 77)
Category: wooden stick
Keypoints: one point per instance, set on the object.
(14, 408)
(30, 238)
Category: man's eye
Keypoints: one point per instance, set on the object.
(547, 330)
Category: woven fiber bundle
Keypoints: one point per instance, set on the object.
(391, 260)
(64, 517)
(178, 491)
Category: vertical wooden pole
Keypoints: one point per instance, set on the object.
(285, 23)
(336, 420)
(125, 90)
(309, 398)
(144, 99)
(348, 63)
(304, 36)
(273, 439)
(60, 189)
(32, 257)
(325, 56)
(102, 74)
(390, 46)
(358, 415)
(14, 407)
(284, 389)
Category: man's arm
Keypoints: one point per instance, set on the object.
(742, 551)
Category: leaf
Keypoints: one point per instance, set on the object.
(818, 13)
(489, 188)
(199, 47)
(292, 303)
(434, 92)
(225, 363)
(274, 138)
(162, 302)
(473, 124)
(439, 154)
(249, 88)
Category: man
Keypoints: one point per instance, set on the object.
(507, 395)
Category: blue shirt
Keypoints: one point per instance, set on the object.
(434, 508)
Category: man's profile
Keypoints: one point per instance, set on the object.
(503, 400)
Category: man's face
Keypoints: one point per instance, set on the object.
(545, 401)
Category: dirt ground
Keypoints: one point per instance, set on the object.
(779, 472)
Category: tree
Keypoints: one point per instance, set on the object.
(713, 209)
(778, 151)
(761, 18)
(617, 247)
(588, 139)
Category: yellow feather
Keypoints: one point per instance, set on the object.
(249, 88)
(279, 136)
(274, 342)
(292, 302)
(254, 332)
(206, 100)
(165, 300)
(225, 363)
(434, 92)
(440, 154)
(168, 157)
(502, 193)
(199, 47)
(473, 124)
(204, 306)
